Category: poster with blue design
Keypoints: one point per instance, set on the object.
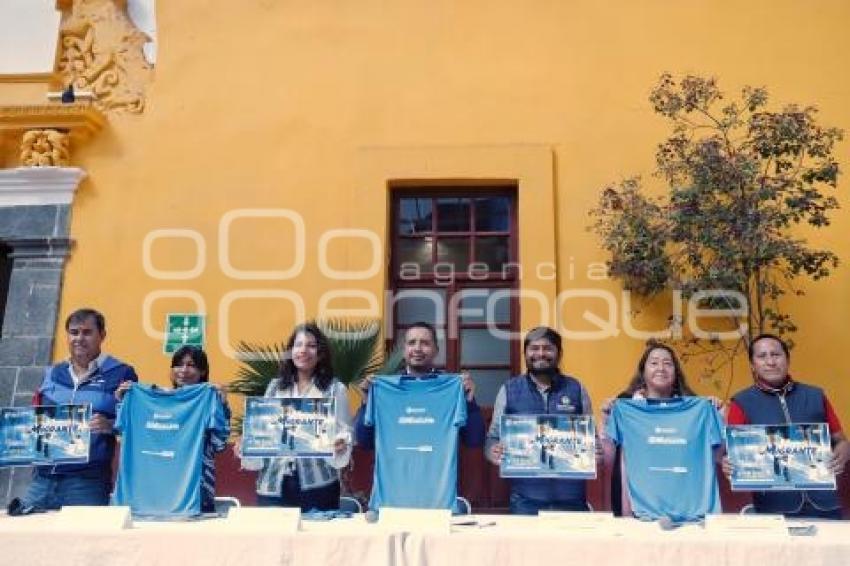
(780, 457)
(298, 428)
(548, 446)
(44, 435)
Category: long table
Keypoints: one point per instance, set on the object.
(36, 540)
(525, 541)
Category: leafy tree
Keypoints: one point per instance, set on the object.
(739, 179)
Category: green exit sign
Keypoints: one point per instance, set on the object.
(183, 330)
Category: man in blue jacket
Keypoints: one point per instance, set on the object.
(542, 390)
(91, 377)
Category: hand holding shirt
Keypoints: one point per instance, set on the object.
(416, 423)
(669, 455)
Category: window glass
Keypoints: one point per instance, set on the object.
(414, 216)
(453, 214)
(487, 384)
(482, 305)
(492, 214)
(481, 346)
(425, 305)
(493, 251)
(454, 251)
(416, 251)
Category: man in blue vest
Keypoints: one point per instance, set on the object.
(542, 390)
(91, 377)
(773, 399)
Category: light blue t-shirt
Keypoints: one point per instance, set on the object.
(416, 440)
(162, 448)
(668, 452)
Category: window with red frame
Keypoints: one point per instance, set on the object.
(454, 264)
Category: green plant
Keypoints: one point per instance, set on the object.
(259, 365)
(739, 178)
(356, 349)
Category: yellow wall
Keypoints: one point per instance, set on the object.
(305, 105)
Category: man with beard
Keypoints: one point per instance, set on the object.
(543, 390)
(413, 469)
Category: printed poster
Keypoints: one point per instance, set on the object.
(44, 435)
(548, 446)
(780, 457)
(299, 428)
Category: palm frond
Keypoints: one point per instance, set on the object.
(355, 347)
(391, 362)
(260, 364)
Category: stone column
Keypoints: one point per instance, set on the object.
(35, 237)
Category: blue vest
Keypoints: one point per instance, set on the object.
(805, 404)
(523, 398)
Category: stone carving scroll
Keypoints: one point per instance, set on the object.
(101, 52)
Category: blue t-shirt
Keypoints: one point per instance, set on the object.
(416, 440)
(162, 448)
(668, 451)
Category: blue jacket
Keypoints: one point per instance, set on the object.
(564, 398)
(805, 404)
(98, 390)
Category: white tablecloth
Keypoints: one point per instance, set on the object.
(524, 541)
(36, 540)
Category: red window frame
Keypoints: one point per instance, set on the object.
(505, 279)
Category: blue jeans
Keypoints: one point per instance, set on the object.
(86, 487)
(521, 505)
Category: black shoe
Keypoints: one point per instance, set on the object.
(16, 507)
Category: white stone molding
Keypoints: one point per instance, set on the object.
(39, 185)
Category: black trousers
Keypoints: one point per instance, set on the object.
(323, 498)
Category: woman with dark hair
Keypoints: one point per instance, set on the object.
(658, 375)
(190, 366)
(308, 483)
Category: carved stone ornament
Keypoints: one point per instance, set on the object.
(101, 52)
(47, 131)
(40, 148)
